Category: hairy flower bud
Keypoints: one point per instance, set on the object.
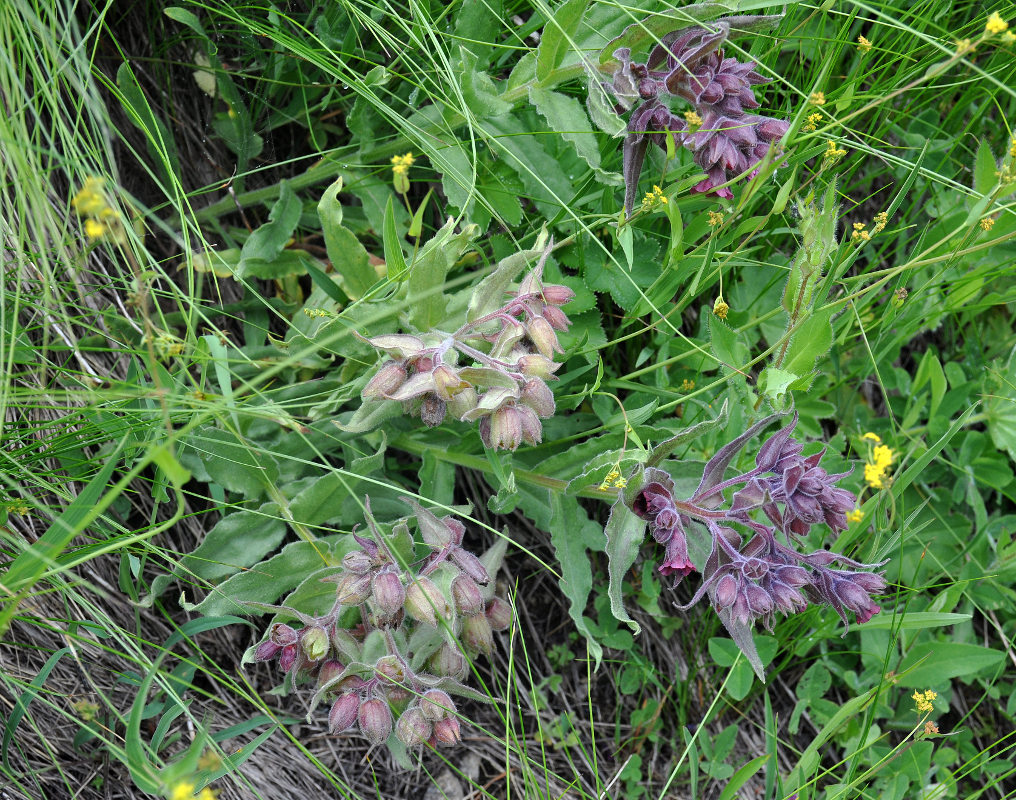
(557, 318)
(447, 382)
(532, 430)
(557, 295)
(726, 592)
(463, 402)
(353, 589)
(287, 658)
(467, 596)
(266, 651)
(505, 431)
(314, 642)
(343, 713)
(449, 662)
(375, 720)
(446, 732)
(357, 562)
(329, 671)
(386, 381)
(413, 728)
(392, 669)
(436, 704)
(471, 565)
(388, 592)
(499, 614)
(283, 635)
(425, 603)
(477, 635)
(537, 395)
(541, 332)
(536, 366)
(432, 411)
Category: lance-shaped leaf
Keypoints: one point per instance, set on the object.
(625, 532)
(666, 447)
(712, 475)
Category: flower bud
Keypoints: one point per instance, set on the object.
(329, 671)
(543, 337)
(343, 713)
(352, 589)
(476, 634)
(432, 411)
(413, 728)
(283, 635)
(266, 651)
(446, 732)
(467, 596)
(314, 642)
(386, 381)
(499, 614)
(557, 318)
(447, 382)
(388, 592)
(287, 658)
(532, 430)
(375, 720)
(505, 429)
(471, 565)
(726, 591)
(425, 603)
(357, 562)
(536, 366)
(449, 662)
(351, 684)
(391, 669)
(436, 704)
(557, 295)
(537, 395)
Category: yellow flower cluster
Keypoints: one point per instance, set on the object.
(653, 199)
(925, 701)
(184, 790)
(876, 470)
(987, 223)
(401, 164)
(863, 44)
(811, 123)
(855, 516)
(17, 507)
(694, 121)
(833, 152)
(720, 308)
(317, 313)
(995, 24)
(860, 234)
(817, 98)
(965, 46)
(715, 218)
(100, 217)
(687, 385)
(1012, 148)
(613, 479)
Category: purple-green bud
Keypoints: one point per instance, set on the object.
(353, 589)
(392, 669)
(314, 642)
(413, 728)
(386, 380)
(425, 603)
(463, 402)
(532, 430)
(557, 295)
(432, 411)
(557, 318)
(542, 334)
(449, 662)
(389, 593)
(283, 635)
(397, 695)
(499, 614)
(471, 565)
(287, 658)
(375, 720)
(477, 635)
(505, 431)
(447, 382)
(467, 596)
(357, 562)
(329, 671)
(446, 732)
(436, 704)
(266, 651)
(343, 713)
(536, 366)
(537, 395)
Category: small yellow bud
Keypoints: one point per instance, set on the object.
(817, 98)
(720, 308)
(987, 223)
(811, 123)
(715, 218)
(996, 24)
(855, 516)
(694, 121)
(863, 44)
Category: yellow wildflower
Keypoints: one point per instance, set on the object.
(987, 223)
(653, 199)
(876, 469)
(91, 199)
(855, 516)
(817, 98)
(833, 152)
(881, 220)
(964, 46)
(1012, 147)
(715, 218)
(687, 385)
(924, 701)
(811, 123)
(1009, 37)
(860, 234)
(184, 790)
(401, 164)
(863, 44)
(871, 437)
(996, 24)
(694, 121)
(720, 308)
(207, 794)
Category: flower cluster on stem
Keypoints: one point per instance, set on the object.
(431, 607)
(509, 358)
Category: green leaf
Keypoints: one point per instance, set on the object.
(572, 534)
(666, 447)
(566, 116)
(936, 663)
(490, 293)
(236, 541)
(349, 258)
(1000, 406)
(288, 262)
(478, 90)
(811, 340)
(269, 240)
(395, 258)
(742, 776)
(369, 415)
(266, 582)
(427, 275)
(985, 179)
(322, 500)
(914, 620)
(930, 371)
(25, 699)
(557, 35)
(231, 461)
(158, 138)
(624, 532)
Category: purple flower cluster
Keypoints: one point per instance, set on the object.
(689, 64)
(416, 608)
(759, 577)
(504, 389)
